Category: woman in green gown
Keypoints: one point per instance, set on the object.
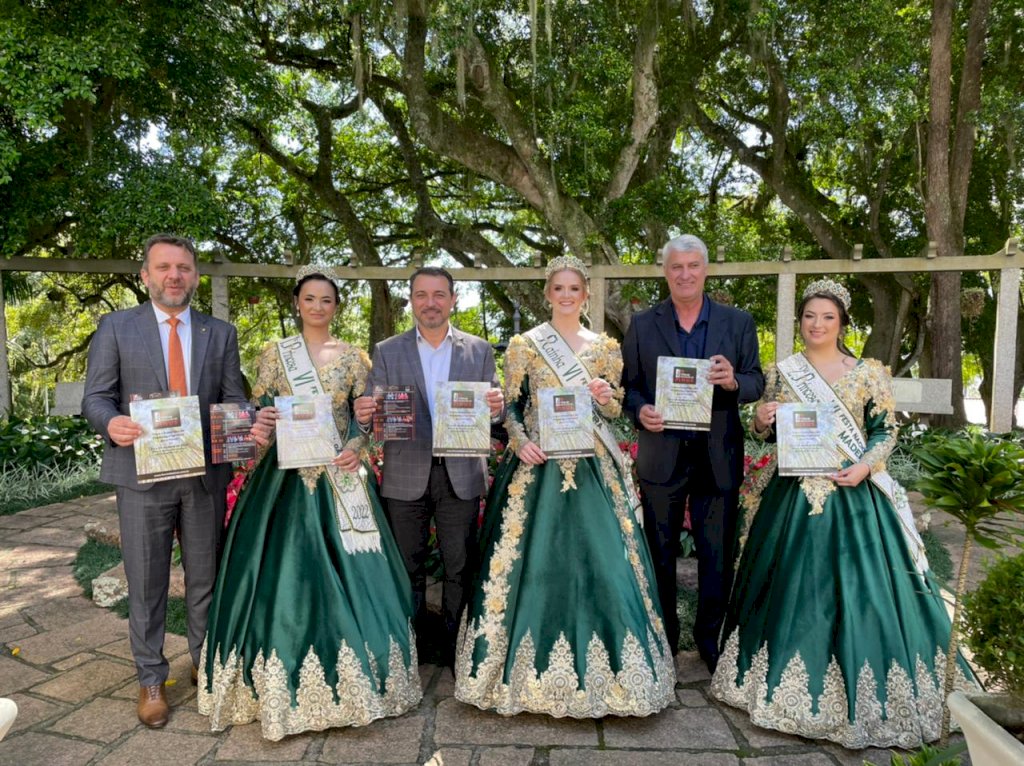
(564, 619)
(834, 630)
(309, 627)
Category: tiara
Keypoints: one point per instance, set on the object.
(312, 268)
(563, 262)
(829, 287)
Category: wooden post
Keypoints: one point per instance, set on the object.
(5, 369)
(597, 295)
(785, 309)
(219, 290)
(1000, 417)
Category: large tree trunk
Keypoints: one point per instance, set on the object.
(382, 315)
(949, 155)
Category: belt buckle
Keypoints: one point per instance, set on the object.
(438, 460)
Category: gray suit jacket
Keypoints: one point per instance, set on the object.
(125, 358)
(407, 463)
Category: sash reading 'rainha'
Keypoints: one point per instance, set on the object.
(571, 371)
(809, 386)
(356, 523)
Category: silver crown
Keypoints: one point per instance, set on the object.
(829, 287)
(312, 268)
(563, 262)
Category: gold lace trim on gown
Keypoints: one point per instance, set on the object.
(908, 718)
(355, 701)
(642, 686)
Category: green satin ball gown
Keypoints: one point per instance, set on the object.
(564, 619)
(832, 632)
(305, 632)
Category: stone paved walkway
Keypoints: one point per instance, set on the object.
(67, 665)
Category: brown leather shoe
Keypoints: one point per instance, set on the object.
(195, 676)
(153, 710)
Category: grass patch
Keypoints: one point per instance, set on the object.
(24, 487)
(938, 557)
(95, 558)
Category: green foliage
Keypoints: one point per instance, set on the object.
(929, 756)
(686, 607)
(993, 616)
(54, 442)
(23, 487)
(975, 479)
(940, 563)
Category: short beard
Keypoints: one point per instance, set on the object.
(156, 294)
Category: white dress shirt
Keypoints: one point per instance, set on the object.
(436, 363)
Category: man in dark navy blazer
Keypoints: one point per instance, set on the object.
(704, 468)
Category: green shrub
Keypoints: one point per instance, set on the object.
(59, 442)
(31, 486)
(993, 616)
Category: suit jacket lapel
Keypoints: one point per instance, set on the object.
(458, 356)
(413, 358)
(715, 331)
(666, 321)
(149, 330)
(200, 342)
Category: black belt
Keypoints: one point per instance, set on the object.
(437, 460)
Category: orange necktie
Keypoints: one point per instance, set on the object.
(176, 360)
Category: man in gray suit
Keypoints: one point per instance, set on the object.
(417, 485)
(133, 354)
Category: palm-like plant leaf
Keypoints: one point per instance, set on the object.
(977, 481)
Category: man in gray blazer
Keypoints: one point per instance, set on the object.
(416, 485)
(133, 354)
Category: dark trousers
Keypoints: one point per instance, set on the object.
(455, 522)
(148, 520)
(713, 518)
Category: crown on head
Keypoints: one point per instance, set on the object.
(312, 268)
(563, 262)
(829, 287)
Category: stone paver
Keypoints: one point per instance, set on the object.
(55, 645)
(391, 740)
(458, 723)
(74, 682)
(103, 719)
(245, 743)
(638, 758)
(450, 756)
(85, 681)
(35, 749)
(690, 729)
(505, 756)
(32, 710)
(16, 675)
(159, 748)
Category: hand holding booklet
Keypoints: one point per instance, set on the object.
(395, 416)
(806, 440)
(683, 393)
(171, 446)
(566, 422)
(230, 432)
(462, 419)
(306, 433)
